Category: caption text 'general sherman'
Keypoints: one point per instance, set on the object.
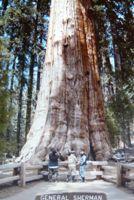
(72, 196)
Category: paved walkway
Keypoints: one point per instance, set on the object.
(112, 192)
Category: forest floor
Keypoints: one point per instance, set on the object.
(42, 187)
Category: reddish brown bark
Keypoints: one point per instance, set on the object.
(70, 93)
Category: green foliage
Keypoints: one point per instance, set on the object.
(23, 28)
(122, 109)
(5, 114)
(113, 127)
(114, 33)
(4, 97)
(7, 148)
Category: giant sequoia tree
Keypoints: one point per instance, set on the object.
(70, 111)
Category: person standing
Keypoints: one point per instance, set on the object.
(53, 164)
(72, 162)
(83, 159)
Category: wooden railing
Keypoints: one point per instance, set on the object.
(125, 174)
(21, 173)
(10, 168)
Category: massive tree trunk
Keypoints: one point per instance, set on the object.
(70, 111)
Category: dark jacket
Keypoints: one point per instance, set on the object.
(53, 159)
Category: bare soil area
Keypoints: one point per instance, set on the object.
(31, 190)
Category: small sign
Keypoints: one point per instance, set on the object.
(72, 196)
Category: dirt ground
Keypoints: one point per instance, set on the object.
(41, 187)
(9, 190)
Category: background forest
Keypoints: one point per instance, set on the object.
(23, 33)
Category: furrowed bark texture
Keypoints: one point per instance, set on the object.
(70, 111)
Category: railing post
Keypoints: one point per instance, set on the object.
(23, 175)
(98, 177)
(16, 171)
(119, 174)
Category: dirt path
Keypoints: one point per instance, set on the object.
(112, 192)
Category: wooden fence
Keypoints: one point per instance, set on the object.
(125, 174)
(21, 173)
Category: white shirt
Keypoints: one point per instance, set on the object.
(72, 160)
